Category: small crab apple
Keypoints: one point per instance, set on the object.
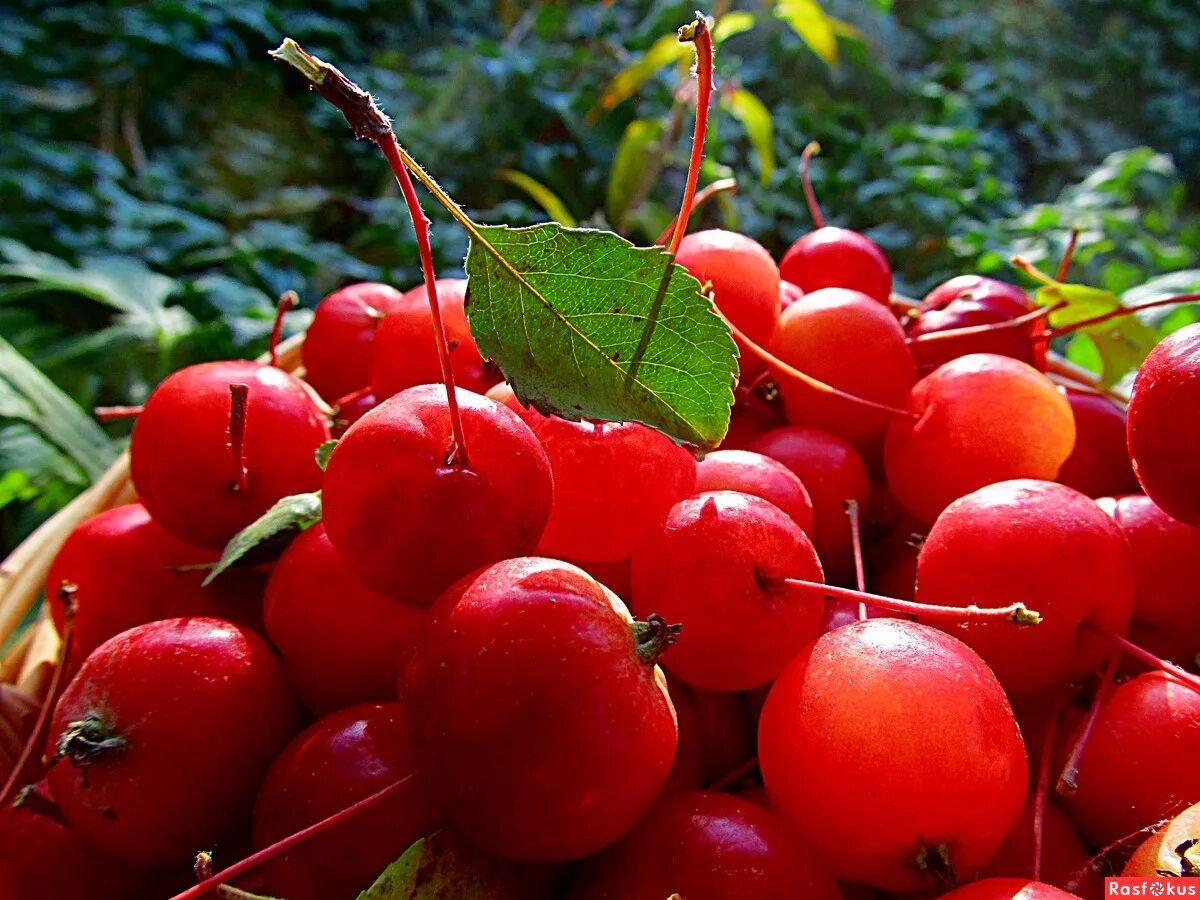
(336, 761)
(1138, 765)
(707, 567)
(1164, 556)
(704, 844)
(613, 482)
(409, 517)
(892, 749)
(405, 354)
(834, 257)
(745, 284)
(537, 710)
(966, 301)
(832, 472)
(46, 860)
(337, 346)
(1171, 848)
(120, 568)
(1099, 465)
(218, 443)
(981, 418)
(849, 341)
(760, 475)
(163, 736)
(1164, 425)
(341, 642)
(1044, 545)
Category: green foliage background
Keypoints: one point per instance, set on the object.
(162, 181)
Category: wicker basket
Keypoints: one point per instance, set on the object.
(30, 661)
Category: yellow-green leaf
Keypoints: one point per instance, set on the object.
(542, 195)
(730, 24)
(666, 51)
(629, 167)
(815, 28)
(1119, 344)
(756, 119)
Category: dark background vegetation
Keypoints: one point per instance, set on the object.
(162, 181)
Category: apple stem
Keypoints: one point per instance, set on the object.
(1068, 779)
(1053, 333)
(795, 374)
(390, 148)
(35, 739)
(810, 196)
(696, 33)
(1016, 613)
(1042, 795)
(860, 577)
(968, 330)
(741, 770)
(282, 846)
(1093, 864)
(116, 413)
(238, 396)
(288, 300)
(368, 121)
(653, 636)
(1152, 660)
(722, 186)
(1064, 265)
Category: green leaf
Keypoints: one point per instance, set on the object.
(27, 395)
(756, 119)
(324, 452)
(290, 514)
(809, 21)
(629, 167)
(730, 24)
(666, 51)
(542, 195)
(585, 324)
(1083, 302)
(120, 282)
(1120, 344)
(444, 867)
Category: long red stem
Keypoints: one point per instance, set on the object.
(238, 395)
(1042, 794)
(116, 413)
(1064, 265)
(36, 738)
(723, 186)
(421, 227)
(697, 33)
(1068, 779)
(968, 330)
(1093, 864)
(287, 301)
(1017, 613)
(741, 770)
(283, 846)
(810, 196)
(1129, 648)
(860, 577)
(1051, 334)
(795, 374)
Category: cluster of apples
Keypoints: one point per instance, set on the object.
(918, 581)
